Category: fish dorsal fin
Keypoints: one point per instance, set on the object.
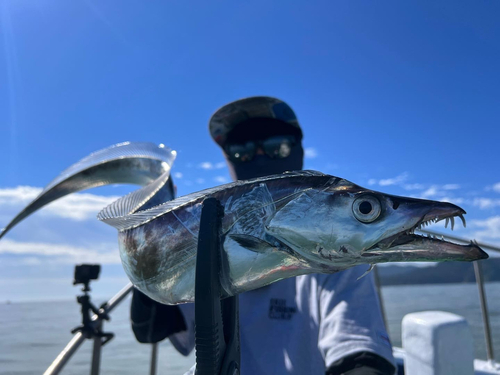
(147, 197)
(138, 218)
(307, 172)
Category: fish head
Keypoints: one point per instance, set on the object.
(344, 225)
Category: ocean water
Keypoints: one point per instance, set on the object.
(33, 333)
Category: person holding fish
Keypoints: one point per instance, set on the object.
(276, 226)
(310, 324)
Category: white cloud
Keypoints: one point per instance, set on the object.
(398, 180)
(80, 206)
(489, 228)
(451, 186)
(61, 253)
(206, 165)
(486, 203)
(178, 175)
(394, 181)
(200, 180)
(19, 195)
(441, 192)
(310, 153)
(209, 166)
(413, 187)
(430, 192)
(496, 187)
(221, 179)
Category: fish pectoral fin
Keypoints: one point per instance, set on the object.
(252, 243)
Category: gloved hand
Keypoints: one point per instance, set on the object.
(363, 363)
(153, 321)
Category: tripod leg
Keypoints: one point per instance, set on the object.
(154, 360)
(96, 352)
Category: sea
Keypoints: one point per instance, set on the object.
(32, 334)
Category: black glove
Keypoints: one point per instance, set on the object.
(153, 321)
(363, 363)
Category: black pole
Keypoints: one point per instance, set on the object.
(216, 332)
(209, 340)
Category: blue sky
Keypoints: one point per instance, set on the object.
(401, 97)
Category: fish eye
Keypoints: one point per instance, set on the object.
(366, 208)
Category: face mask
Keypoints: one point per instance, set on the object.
(263, 165)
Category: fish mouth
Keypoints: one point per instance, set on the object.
(407, 246)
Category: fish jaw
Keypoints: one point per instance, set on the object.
(416, 248)
(406, 246)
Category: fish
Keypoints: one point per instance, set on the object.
(273, 227)
(276, 227)
(138, 163)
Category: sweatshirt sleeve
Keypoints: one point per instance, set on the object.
(184, 341)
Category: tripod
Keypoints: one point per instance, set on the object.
(91, 327)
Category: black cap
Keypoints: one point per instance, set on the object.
(227, 117)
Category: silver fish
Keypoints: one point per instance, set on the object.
(140, 163)
(277, 227)
(274, 227)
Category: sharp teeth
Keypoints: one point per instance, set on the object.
(463, 220)
(452, 222)
(446, 223)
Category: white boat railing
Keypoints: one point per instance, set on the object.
(479, 282)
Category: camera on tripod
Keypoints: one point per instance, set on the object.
(86, 272)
